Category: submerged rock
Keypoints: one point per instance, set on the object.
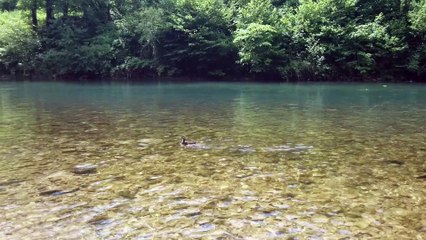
(301, 147)
(128, 192)
(49, 192)
(421, 176)
(289, 148)
(10, 182)
(68, 150)
(395, 162)
(85, 169)
(246, 149)
(319, 219)
(146, 142)
(285, 148)
(143, 145)
(57, 192)
(58, 183)
(99, 219)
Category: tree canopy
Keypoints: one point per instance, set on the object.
(274, 39)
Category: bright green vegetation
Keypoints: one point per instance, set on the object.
(360, 172)
(269, 39)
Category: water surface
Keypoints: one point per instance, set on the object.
(291, 161)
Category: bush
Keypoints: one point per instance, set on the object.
(18, 43)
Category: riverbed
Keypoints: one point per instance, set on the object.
(272, 161)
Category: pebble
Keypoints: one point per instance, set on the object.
(298, 148)
(143, 145)
(68, 150)
(246, 149)
(421, 176)
(395, 162)
(344, 232)
(319, 219)
(57, 192)
(149, 141)
(84, 169)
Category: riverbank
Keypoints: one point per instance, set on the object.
(249, 79)
(267, 40)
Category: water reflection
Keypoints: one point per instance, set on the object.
(283, 161)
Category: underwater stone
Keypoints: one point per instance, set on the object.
(68, 150)
(319, 219)
(49, 192)
(298, 148)
(395, 162)
(10, 182)
(143, 145)
(146, 142)
(57, 192)
(421, 176)
(344, 232)
(99, 219)
(246, 149)
(149, 141)
(84, 169)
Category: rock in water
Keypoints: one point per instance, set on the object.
(298, 148)
(84, 169)
(421, 176)
(395, 162)
(246, 149)
(57, 192)
(147, 142)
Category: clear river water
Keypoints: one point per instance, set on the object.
(272, 161)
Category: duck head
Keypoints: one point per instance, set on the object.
(183, 140)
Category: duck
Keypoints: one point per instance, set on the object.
(186, 142)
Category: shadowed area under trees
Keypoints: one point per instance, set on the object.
(265, 39)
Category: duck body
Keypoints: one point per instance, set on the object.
(186, 142)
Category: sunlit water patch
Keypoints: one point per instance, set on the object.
(320, 161)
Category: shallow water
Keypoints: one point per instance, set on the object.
(302, 161)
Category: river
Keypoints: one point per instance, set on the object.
(272, 161)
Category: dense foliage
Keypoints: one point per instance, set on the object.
(274, 39)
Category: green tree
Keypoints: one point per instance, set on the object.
(290, 39)
(258, 38)
(8, 5)
(417, 18)
(258, 47)
(50, 14)
(328, 40)
(77, 53)
(18, 43)
(138, 45)
(199, 40)
(32, 6)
